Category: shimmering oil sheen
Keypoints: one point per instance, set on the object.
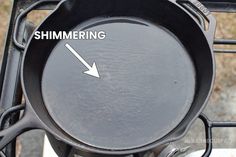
(146, 84)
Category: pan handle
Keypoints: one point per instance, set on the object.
(203, 15)
(26, 123)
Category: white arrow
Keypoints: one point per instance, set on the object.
(93, 71)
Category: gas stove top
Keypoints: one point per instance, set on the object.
(11, 92)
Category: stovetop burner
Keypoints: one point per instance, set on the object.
(11, 95)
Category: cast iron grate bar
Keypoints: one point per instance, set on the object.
(209, 125)
(225, 42)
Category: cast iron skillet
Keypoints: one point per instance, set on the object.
(156, 71)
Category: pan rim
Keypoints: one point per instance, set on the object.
(86, 148)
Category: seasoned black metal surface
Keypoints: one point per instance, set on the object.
(36, 55)
(220, 5)
(145, 74)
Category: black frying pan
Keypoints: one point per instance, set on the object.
(156, 72)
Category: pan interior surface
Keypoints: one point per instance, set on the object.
(146, 85)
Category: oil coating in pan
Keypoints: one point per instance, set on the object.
(146, 85)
